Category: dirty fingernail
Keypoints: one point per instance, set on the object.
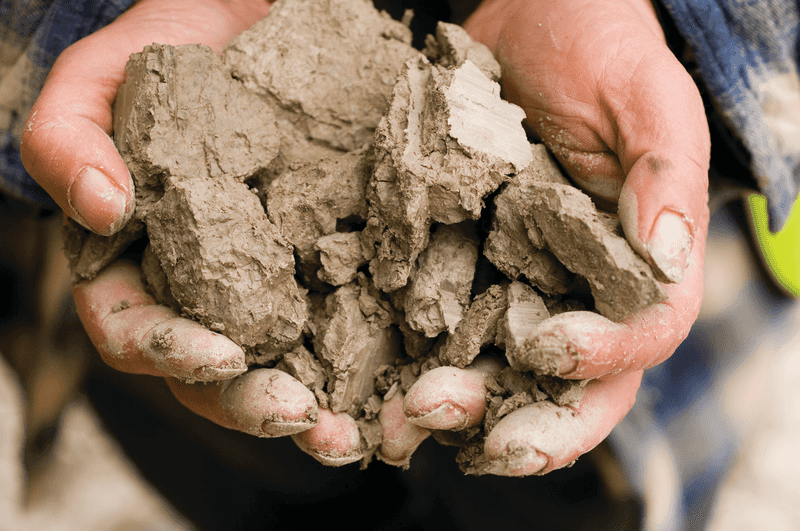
(275, 428)
(209, 373)
(520, 460)
(445, 417)
(98, 204)
(334, 441)
(548, 353)
(670, 246)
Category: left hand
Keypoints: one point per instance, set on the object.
(601, 89)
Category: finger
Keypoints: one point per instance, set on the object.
(449, 398)
(134, 334)
(400, 437)
(262, 402)
(66, 146)
(334, 441)
(543, 437)
(584, 345)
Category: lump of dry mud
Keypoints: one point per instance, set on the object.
(355, 213)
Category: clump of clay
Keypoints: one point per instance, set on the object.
(356, 213)
(438, 294)
(353, 340)
(226, 264)
(310, 201)
(517, 249)
(621, 282)
(446, 142)
(327, 68)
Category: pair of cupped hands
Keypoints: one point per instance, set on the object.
(599, 87)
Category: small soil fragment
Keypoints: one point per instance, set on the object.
(416, 344)
(354, 341)
(341, 255)
(526, 309)
(156, 280)
(477, 329)
(562, 392)
(89, 253)
(302, 364)
(452, 45)
(439, 291)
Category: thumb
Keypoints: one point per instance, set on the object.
(603, 91)
(664, 154)
(66, 145)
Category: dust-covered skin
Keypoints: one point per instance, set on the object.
(334, 441)
(543, 436)
(261, 402)
(134, 334)
(341, 439)
(400, 436)
(449, 398)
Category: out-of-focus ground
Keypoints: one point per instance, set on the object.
(85, 482)
(761, 393)
(88, 485)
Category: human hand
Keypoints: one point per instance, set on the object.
(601, 89)
(204, 370)
(66, 147)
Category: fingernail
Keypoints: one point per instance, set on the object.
(445, 417)
(519, 460)
(274, 428)
(98, 204)
(208, 373)
(670, 246)
(548, 353)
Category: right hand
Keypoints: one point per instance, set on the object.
(67, 149)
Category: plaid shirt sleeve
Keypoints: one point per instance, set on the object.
(32, 35)
(747, 53)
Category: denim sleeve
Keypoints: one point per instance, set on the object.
(32, 35)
